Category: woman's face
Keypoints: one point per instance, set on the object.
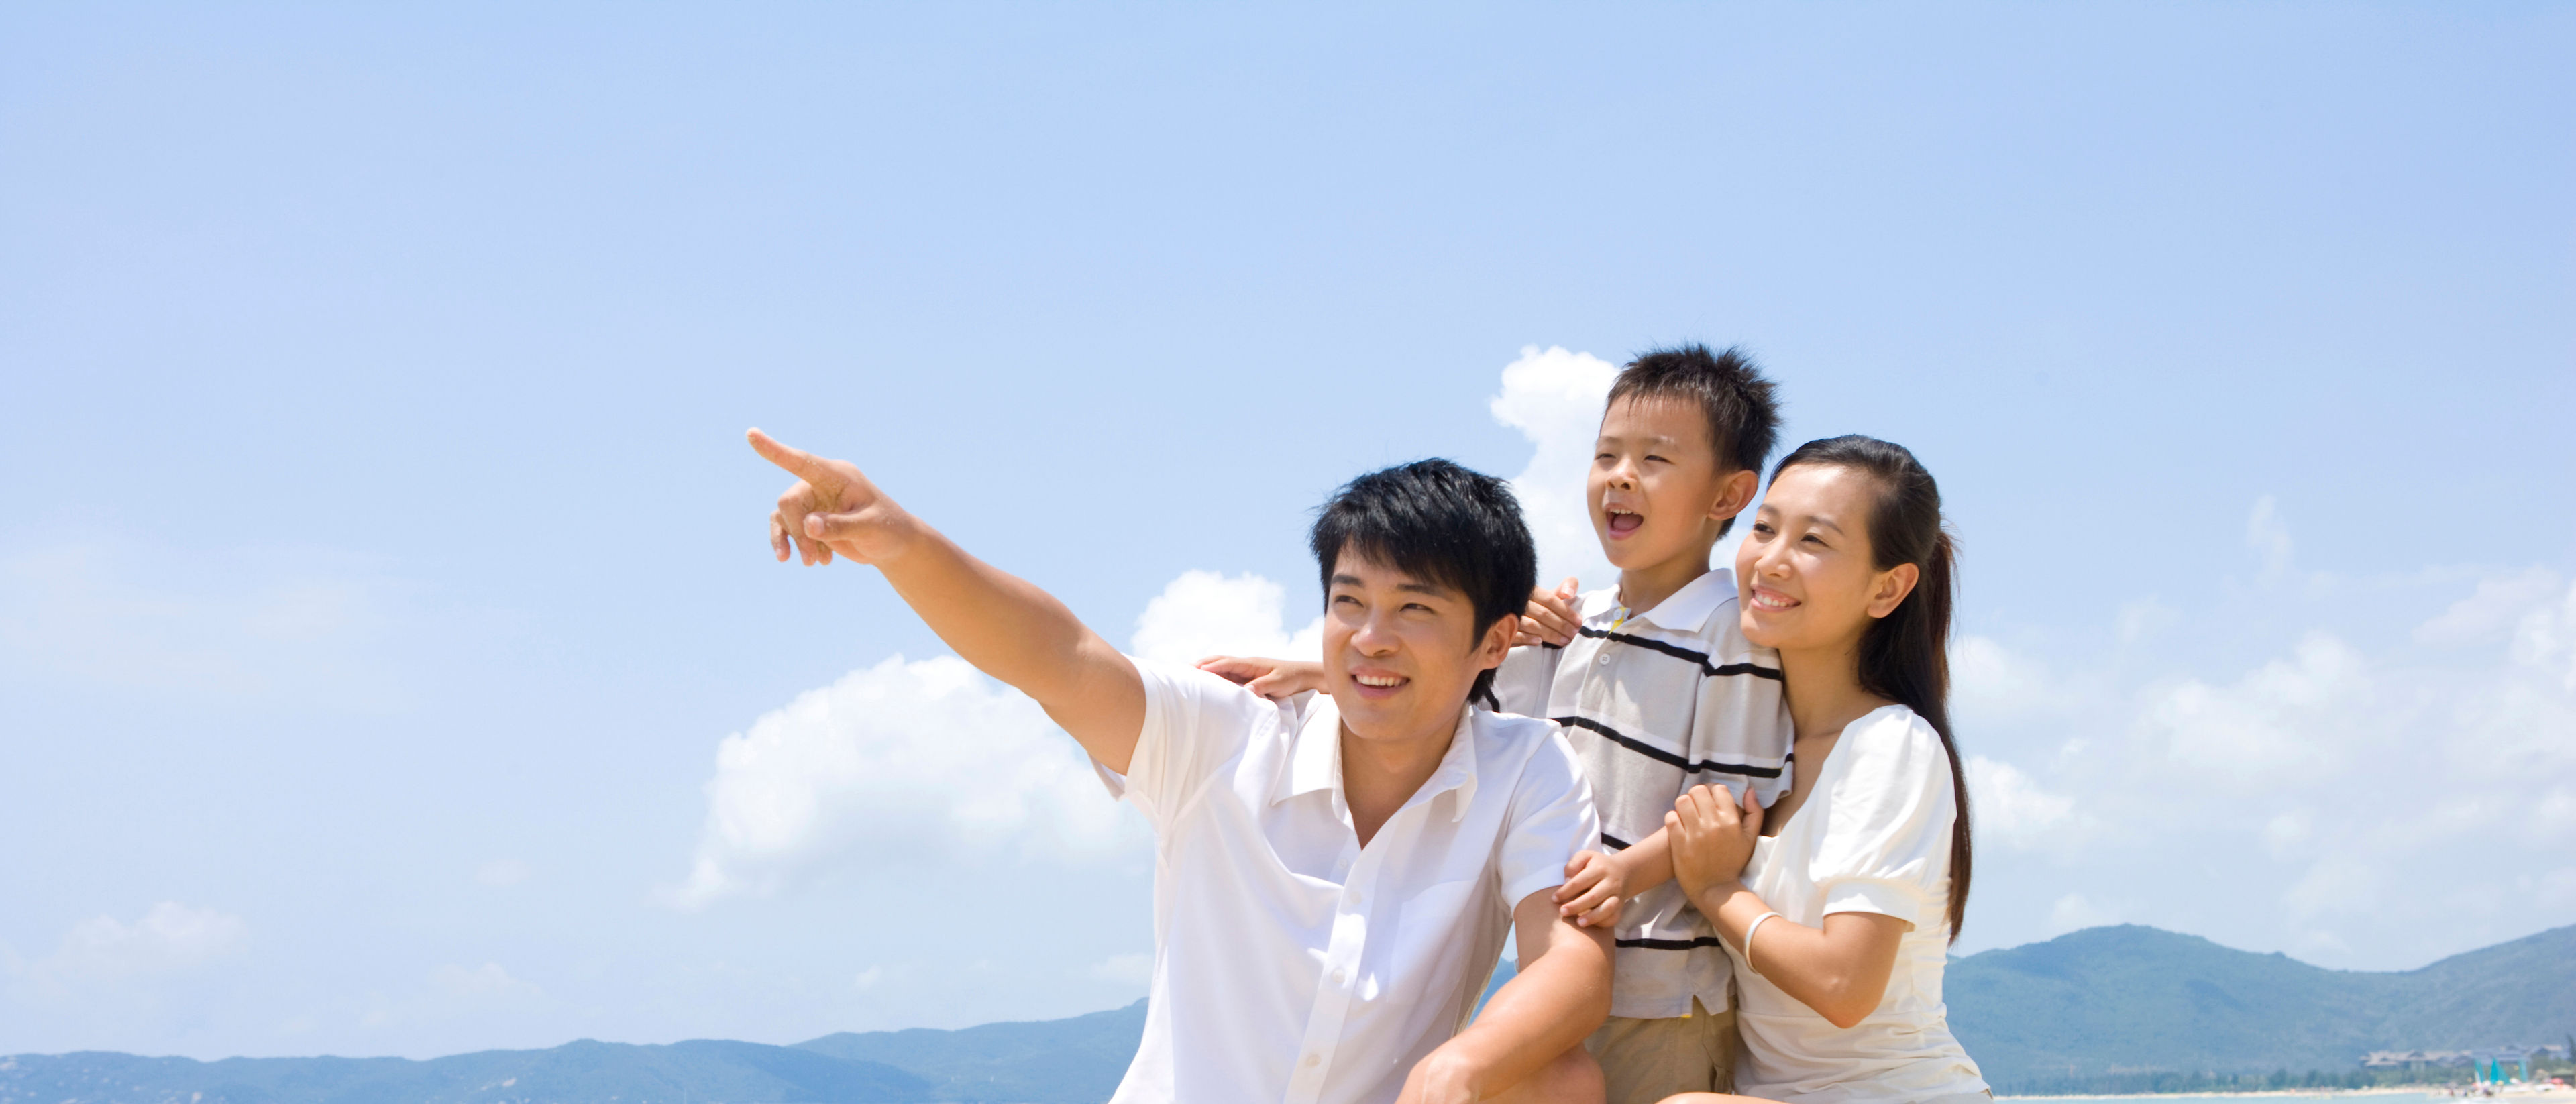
(1805, 572)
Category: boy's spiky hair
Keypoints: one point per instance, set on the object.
(1743, 415)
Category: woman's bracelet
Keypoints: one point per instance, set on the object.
(1749, 929)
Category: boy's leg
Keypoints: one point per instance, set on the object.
(1723, 1044)
(1644, 1061)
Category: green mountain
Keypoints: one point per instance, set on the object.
(2101, 1009)
(2132, 1000)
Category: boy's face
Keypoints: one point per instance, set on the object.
(1401, 653)
(1658, 490)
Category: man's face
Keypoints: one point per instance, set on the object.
(1400, 653)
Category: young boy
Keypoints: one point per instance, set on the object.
(1658, 691)
(1332, 875)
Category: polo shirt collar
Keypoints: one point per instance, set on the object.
(1315, 764)
(1689, 608)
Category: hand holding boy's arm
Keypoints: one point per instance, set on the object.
(1271, 678)
(1560, 996)
(1002, 624)
(1551, 617)
(1840, 970)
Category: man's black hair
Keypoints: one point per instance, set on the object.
(1440, 523)
(1743, 415)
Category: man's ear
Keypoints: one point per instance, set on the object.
(1497, 641)
(1734, 493)
(1893, 585)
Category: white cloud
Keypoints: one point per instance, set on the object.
(1554, 398)
(2075, 911)
(1125, 969)
(2011, 808)
(915, 759)
(868, 978)
(1203, 613)
(502, 873)
(2292, 715)
(482, 984)
(2268, 535)
(105, 963)
(2486, 613)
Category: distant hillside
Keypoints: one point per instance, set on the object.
(2129, 1000)
(2101, 1008)
(1075, 1061)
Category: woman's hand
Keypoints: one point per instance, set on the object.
(1595, 886)
(1712, 837)
(1271, 678)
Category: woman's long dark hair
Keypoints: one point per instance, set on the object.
(1905, 657)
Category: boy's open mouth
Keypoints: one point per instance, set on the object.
(1623, 523)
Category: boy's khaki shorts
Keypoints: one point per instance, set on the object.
(1648, 1060)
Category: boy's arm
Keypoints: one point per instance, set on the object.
(1560, 996)
(1003, 625)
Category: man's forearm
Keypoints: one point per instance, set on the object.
(1558, 998)
(1010, 629)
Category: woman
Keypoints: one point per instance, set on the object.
(1839, 904)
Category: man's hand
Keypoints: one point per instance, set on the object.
(1595, 886)
(831, 509)
(1271, 678)
(1712, 837)
(1551, 617)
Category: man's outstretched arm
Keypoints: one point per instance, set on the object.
(1006, 627)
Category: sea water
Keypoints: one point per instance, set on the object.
(2353, 1097)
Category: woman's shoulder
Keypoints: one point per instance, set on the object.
(1889, 745)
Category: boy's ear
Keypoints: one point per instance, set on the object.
(1735, 492)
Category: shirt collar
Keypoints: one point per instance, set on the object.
(1315, 764)
(1688, 608)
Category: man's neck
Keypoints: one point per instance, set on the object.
(1379, 776)
(1645, 588)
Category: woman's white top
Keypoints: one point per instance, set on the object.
(1873, 836)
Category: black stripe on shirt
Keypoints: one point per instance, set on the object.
(1615, 843)
(1709, 766)
(1670, 944)
(1678, 652)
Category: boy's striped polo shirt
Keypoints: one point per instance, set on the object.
(1655, 703)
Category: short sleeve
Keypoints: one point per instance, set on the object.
(1551, 820)
(1886, 839)
(1195, 723)
(1524, 680)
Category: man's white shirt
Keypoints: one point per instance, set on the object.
(1290, 963)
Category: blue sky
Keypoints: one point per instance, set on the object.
(382, 577)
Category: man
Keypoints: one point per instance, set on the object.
(1333, 874)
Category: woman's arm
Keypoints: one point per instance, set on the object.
(1839, 970)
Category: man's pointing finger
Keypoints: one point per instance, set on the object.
(798, 462)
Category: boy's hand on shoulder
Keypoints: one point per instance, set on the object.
(832, 509)
(1595, 886)
(1551, 617)
(1712, 837)
(1271, 678)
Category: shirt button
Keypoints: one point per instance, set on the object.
(1353, 896)
(1313, 1060)
(1340, 976)
(1605, 661)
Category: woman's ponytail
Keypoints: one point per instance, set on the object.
(1905, 657)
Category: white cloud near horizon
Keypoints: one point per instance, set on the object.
(1554, 398)
(103, 953)
(2360, 790)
